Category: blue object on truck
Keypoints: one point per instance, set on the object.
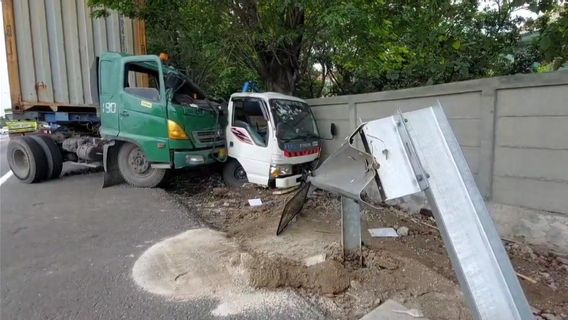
(250, 86)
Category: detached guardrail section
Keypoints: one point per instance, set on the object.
(513, 132)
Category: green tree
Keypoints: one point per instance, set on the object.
(318, 47)
(269, 38)
(553, 34)
(415, 43)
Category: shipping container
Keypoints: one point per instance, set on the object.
(52, 48)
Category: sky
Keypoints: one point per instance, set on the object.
(4, 86)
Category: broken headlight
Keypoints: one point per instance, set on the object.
(280, 170)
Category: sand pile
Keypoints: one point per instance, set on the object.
(205, 264)
(328, 277)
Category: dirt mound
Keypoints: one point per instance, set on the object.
(329, 277)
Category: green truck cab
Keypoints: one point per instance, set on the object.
(155, 119)
(150, 118)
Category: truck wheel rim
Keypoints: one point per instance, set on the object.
(21, 163)
(138, 162)
(240, 174)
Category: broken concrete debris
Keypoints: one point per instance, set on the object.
(313, 260)
(415, 313)
(402, 231)
(389, 232)
(392, 310)
(383, 233)
(255, 202)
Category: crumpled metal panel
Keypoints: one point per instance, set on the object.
(348, 171)
(390, 147)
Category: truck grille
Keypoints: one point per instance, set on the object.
(208, 137)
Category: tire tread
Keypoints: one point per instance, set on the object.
(53, 155)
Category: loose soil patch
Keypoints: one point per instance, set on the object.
(205, 264)
(414, 270)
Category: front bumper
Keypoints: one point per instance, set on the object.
(184, 159)
(288, 182)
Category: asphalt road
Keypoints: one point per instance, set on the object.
(3, 162)
(67, 248)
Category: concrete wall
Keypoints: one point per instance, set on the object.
(514, 134)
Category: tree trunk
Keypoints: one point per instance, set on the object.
(279, 78)
(276, 60)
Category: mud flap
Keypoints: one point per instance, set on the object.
(112, 175)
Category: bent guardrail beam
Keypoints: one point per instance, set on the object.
(418, 151)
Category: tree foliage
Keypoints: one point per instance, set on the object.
(318, 47)
(552, 26)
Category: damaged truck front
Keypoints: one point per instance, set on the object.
(132, 113)
(154, 118)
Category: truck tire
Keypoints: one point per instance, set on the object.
(52, 154)
(234, 174)
(136, 170)
(27, 159)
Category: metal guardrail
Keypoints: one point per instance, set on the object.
(418, 151)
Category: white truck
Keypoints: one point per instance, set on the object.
(271, 139)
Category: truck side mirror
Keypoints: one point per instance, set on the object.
(333, 129)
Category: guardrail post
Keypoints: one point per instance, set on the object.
(350, 229)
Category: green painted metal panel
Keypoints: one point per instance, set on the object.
(139, 112)
(109, 65)
(143, 116)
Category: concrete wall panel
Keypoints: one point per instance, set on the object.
(472, 157)
(331, 112)
(543, 164)
(326, 115)
(531, 193)
(467, 131)
(533, 132)
(462, 105)
(536, 101)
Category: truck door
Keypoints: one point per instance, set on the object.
(109, 84)
(248, 137)
(142, 107)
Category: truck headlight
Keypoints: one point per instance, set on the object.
(175, 131)
(280, 170)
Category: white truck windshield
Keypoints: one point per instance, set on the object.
(293, 120)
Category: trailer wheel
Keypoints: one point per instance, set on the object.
(234, 174)
(135, 168)
(52, 154)
(27, 159)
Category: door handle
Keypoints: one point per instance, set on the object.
(124, 113)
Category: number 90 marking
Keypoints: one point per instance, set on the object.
(109, 107)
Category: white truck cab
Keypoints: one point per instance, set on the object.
(271, 139)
